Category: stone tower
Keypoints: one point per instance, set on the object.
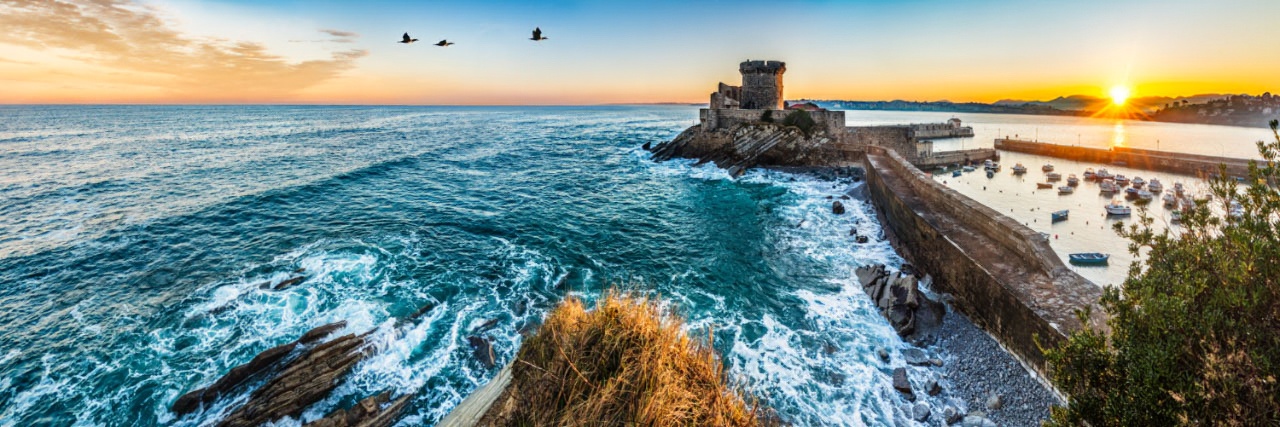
(762, 84)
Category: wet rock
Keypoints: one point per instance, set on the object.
(900, 382)
(933, 388)
(238, 375)
(844, 197)
(977, 421)
(935, 362)
(915, 356)
(920, 412)
(994, 402)
(898, 296)
(837, 208)
(303, 381)
(482, 350)
(951, 415)
(861, 239)
(646, 146)
(369, 412)
(288, 282)
(422, 310)
(487, 325)
(884, 354)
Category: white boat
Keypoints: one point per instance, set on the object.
(1019, 169)
(1122, 181)
(1155, 186)
(1048, 167)
(1072, 180)
(1175, 216)
(986, 164)
(1089, 174)
(1145, 197)
(968, 169)
(1066, 189)
(1053, 176)
(1178, 189)
(1138, 182)
(1108, 186)
(1236, 211)
(1117, 209)
(1169, 200)
(1103, 174)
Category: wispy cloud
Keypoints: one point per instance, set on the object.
(123, 35)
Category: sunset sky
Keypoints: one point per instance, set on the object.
(296, 51)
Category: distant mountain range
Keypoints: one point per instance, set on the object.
(1095, 103)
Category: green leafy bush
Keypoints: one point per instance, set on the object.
(800, 119)
(1195, 331)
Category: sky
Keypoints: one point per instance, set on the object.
(332, 52)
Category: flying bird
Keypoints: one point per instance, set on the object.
(406, 39)
(537, 35)
(444, 43)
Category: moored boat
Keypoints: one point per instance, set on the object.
(1043, 185)
(1169, 200)
(1122, 181)
(1072, 180)
(955, 173)
(1019, 169)
(1175, 216)
(968, 169)
(1089, 258)
(1048, 167)
(1089, 174)
(1178, 189)
(1144, 197)
(1066, 189)
(1108, 186)
(1155, 186)
(1053, 176)
(991, 173)
(1117, 209)
(1059, 215)
(1103, 174)
(1138, 182)
(1131, 193)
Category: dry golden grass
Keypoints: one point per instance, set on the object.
(624, 363)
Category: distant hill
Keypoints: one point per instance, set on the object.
(1095, 103)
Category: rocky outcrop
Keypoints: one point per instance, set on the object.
(752, 144)
(373, 411)
(261, 364)
(302, 382)
(913, 315)
(298, 374)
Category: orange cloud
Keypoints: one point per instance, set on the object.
(124, 36)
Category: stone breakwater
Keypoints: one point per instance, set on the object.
(1160, 161)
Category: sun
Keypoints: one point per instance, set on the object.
(1119, 94)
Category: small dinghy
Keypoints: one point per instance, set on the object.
(955, 173)
(1089, 258)
(991, 173)
(1066, 189)
(1048, 167)
(1043, 185)
(1155, 186)
(1072, 180)
(1059, 215)
(1019, 169)
(1053, 176)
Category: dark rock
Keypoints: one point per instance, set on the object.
(487, 325)
(994, 402)
(935, 362)
(366, 413)
(482, 350)
(915, 356)
(288, 282)
(645, 147)
(238, 375)
(932, 388)
(844, 197)
(299, 270)
(900, 382)
(302, 382)
(853, 231)
(920, 412)
(422, 310)
(837, 208)
(861, 239)
(884, 354)
(952, 415)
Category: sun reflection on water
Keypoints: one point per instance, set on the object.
(1117, 134)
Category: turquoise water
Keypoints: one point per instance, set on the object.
(133, 238)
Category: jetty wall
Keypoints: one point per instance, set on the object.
(1001, 274)
(1160, 161)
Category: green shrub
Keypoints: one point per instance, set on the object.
(800, 119)
(1195, 331)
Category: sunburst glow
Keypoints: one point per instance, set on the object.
(1119, 94)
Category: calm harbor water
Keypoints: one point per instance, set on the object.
(1088, 229)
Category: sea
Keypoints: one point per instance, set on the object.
(134, 240)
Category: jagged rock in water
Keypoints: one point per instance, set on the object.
(933, 388)
(837, 208)
(303, 381)
(369, 412)
(915, 356)
(482, 350)
(920, 412)
(238, 375)
(900, 381)
(898, 296)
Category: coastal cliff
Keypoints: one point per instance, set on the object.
(750, 144)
